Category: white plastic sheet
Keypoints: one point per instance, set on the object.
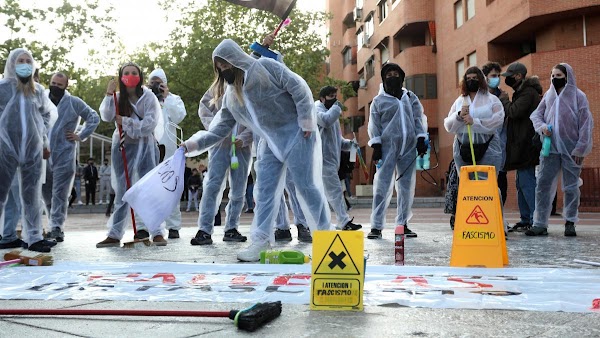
(568, 290)
(156, 194)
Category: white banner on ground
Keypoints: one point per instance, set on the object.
(569, 290)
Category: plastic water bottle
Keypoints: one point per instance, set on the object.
(283, 257)
(399, 245)
(419, 163)
(547, 143)
(379, 163)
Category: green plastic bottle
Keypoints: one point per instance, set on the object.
(283, 257)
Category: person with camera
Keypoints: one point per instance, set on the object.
(173, 111)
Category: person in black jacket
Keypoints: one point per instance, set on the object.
(194, 186)
(522, 144)
(90, 175)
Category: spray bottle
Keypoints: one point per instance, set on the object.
(423, 163)
(547, 143)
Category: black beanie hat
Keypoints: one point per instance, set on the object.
(391, 66)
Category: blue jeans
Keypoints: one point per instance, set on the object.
(347, 181)
(525, 183)
(250, 196)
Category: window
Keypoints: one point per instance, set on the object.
(385, 54)
(383, 10)
(423, 85)
(472, 58)
(359, 3)
(458, 14)
(347, 56)
(370, 68)
(460, 70)
(369, 26)
(360, 38)
(470, 9)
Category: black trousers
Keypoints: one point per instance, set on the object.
(90, 191)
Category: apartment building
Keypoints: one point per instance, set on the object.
(434, 41)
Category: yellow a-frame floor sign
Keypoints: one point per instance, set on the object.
(478, 227)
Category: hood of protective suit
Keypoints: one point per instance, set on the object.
(11, 62)
(570, 116)
(159, 73)
(231, 52)
(533, 82)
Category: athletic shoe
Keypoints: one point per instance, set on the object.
(249, 211)
(159, 240)
(173, 233)
(351, 226)
(252, 253)
(56, 234)
(408, 232)
(303, 233)
(537, 231)
(80, 203)
(109, 243)
(283, 235)
(374, 234)
(520, 227)
(570, 229)
(202, 238)
(100, 202)
(142, 234)
(234, 235)
(17, 243)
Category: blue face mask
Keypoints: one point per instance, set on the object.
(493, 82)
(24, 70)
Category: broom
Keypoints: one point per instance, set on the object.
(146, 241)
(16, 257)
(248, 319)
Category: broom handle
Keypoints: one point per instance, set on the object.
(12, 261)
(94, 312)
(124, 157)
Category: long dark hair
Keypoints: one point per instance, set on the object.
(482, 82)
(125, 108)
(218, 86)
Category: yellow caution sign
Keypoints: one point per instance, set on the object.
(338, 270)
(478, 227)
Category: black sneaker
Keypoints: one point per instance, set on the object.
(283, 235)
(249, 211)
(234, 235)
(173, 233)
(537, 231)
(17, 243)
(351, 226)
(570, 229)
(303, 233)
(142, 234)
(56, 234)
(408, 232)
(374, 234)
(39, 246)
(202, 238)
(520, 227)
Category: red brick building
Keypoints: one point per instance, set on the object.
(434, 41)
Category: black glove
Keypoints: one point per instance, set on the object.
(421, 146)
(377, 154)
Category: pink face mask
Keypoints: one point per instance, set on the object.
(130, 81)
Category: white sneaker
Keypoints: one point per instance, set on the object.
(252, 253)
(100, 202)
(352, 197)
(80, 203)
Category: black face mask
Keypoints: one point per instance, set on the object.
(228, 75)
(57, 92)
(510, 81)
(329, 103)
(558, 83)
(472, 85)
(393, 83)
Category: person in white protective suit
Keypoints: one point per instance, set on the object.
(173, 112)
(484, 112)
(395, 128)
(329, 110)
(26, 115)
(219, 165)
(275, 103)
(566, 108)
(63, 142)
(282, 222)
(141, 120)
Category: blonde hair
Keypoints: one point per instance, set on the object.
(27, 88)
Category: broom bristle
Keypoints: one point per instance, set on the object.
(255, 316)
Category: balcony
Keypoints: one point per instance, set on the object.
(417, 60)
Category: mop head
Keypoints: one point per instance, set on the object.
(255, 316)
